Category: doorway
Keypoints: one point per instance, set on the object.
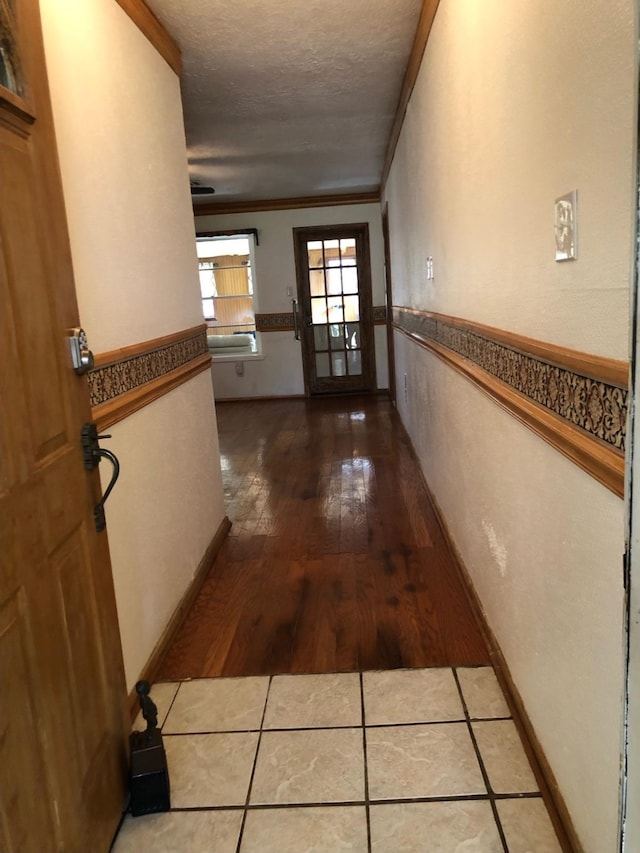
(334, 315)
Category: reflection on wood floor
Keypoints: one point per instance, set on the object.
(335, 560)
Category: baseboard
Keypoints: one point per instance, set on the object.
(204, 567)
(545, 777)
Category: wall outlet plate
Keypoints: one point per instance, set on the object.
(566, 226)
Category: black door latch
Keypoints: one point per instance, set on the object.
(92, 454)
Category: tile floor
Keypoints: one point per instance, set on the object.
(375, 762)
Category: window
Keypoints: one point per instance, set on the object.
(227, 285)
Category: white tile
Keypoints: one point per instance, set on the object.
(210, 770)
(443, 827)
(504, 757)
(411, 696)
(527, 826)
(482, 693)
(218, 705)
(408, 762)
(306, 830)
(315, 766)
(196, 832)
(162, 694)
(314, 701)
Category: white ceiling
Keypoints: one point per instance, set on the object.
(289, 98)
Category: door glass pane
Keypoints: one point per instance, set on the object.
(337, 337)
(331, 252)
(322, 364)
(320, 337)
(352, 308)
(336, 312)
(338, 363)
(319, 310)
(353, 336)
(348, 252)
(314, 253)
(349, 280)
(354, 360)
(316, 282)
(334, 280)
(10, 69)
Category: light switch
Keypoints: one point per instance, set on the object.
(566, 226)
(430, 269)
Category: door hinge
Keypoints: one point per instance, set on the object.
(626, 571)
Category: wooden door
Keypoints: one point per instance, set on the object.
(62, 707)
(334, 290)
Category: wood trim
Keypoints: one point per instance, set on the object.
(215, 208)
(110, 413)
(425, 22)
(17, 105)
(602, 462)
(155, 32)
(549, 788)
(180, 613)
(113, 356)
(597, 367)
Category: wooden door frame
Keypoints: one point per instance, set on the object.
(359, 230)
(391, 352)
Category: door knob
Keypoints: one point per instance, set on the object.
(92, 454)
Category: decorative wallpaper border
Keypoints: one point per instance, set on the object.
(284, 322)
(379, 315)
(275, 322)
(591, 401)
(125, 380)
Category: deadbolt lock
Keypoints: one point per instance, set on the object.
(81, 355)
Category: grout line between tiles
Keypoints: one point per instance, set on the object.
(455, 798)
(337, 728)
(171, 704)
(253, 769)
(483, 769)
(366, 766)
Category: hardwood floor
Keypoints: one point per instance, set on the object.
(335, 560)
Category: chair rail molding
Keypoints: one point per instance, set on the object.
(125, 380)
(576, 401)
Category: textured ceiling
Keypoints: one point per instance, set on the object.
(286, 98)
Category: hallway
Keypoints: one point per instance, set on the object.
(335, 561)
(367, 716)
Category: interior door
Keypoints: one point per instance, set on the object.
(63, 708)
(334, 292)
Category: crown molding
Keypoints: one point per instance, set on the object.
(150, 26)
(216, 208)
(427, 14)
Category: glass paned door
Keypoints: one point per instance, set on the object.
(334, 287)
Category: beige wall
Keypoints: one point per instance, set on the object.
(118, 118)
(516, 104)
(279, 371)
